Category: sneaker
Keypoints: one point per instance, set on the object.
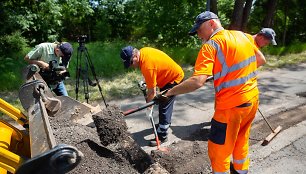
(153, 143)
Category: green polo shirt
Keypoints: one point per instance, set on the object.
(44, 52)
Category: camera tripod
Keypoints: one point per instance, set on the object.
(83, 65)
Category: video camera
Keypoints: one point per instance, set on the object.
(53, 76)
(82, 39)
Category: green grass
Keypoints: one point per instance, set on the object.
(282, 50)
(119, 87)
(104, 57)
(274, 61)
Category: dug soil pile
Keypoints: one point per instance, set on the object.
(107, 148)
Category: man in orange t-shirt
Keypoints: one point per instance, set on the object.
(263, 38)
(158, 70)
(232, 59)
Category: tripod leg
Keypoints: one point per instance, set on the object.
(85, 84)
(94, 74)
(78, 71)
(86, 81)
(82, 71)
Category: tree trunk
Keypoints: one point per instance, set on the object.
(207, 5)
(246, 13)
(213, 5)
(285, 25)
(236, 20)
(268, 21)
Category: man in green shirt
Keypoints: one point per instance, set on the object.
(55, 54)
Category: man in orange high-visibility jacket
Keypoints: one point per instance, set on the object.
(231, 58)
(263, 38)
(159, 70)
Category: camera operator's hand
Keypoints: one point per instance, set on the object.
(64, 74)
(42, 65)
(61, 72)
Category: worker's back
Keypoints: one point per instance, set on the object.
(158, 68)
(234, 69)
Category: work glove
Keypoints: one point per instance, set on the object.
(161, 97)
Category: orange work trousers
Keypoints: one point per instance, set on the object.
(229, 136)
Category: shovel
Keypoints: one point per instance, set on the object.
(131, 111)
(150, 115)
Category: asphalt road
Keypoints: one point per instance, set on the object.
(281, 90)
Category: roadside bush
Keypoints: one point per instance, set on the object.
(10, 73)
(12, 45)
(12, 50)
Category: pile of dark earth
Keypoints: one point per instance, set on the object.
(108, 148)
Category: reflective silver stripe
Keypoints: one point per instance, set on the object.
(235, 67)
(221, 59)
(225, 69)
(242, 64)
(242, 171)
(236, 81)
(159, 131)
(164, 126)
(239, 161)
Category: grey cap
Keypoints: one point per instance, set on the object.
(269, 33)
(201, 18)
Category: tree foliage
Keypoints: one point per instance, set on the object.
(152, 22)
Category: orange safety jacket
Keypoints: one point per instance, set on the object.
(250, 37)
(234, 69)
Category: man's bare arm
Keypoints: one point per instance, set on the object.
(191, 84)
(151, 94)
(40, 63)
(260, 58)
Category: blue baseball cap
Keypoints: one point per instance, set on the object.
(201, 18)
(126, 55)
(66, 49)
(269, 33)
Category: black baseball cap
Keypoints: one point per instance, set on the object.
(126, 55)
(66, 49)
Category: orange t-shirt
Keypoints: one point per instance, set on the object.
(236, 48)
(158, 68)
